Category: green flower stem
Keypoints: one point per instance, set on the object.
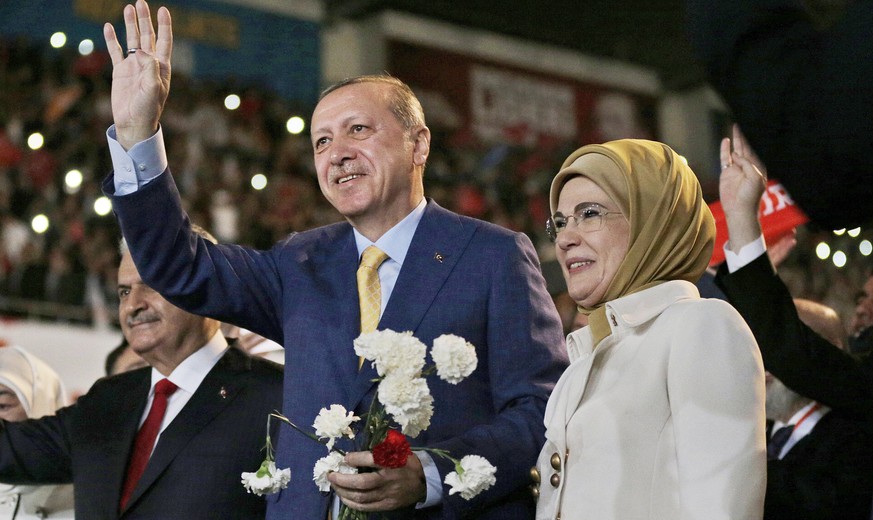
(269, 445)
(376, 427)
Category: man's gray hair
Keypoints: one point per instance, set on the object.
(402, 101)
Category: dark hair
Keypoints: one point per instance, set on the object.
(402, 101)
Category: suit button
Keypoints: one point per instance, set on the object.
(535, 475)
(535, 492)
(556, 461)
(555, 480)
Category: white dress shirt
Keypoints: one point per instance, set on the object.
(804, 421)
(187, 376)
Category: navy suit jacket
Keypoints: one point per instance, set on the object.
(460, 276)
(194, 472)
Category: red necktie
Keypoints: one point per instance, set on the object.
(145, 438)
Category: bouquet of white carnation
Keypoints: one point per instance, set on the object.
(402, 408)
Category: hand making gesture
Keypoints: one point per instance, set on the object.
(141, 78)
(742, 182)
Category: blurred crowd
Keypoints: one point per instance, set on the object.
(68, 272)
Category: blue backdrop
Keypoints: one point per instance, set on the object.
(225, 41)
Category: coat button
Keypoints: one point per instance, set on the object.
(535, 475)
(556, 461)
(535, 492)
(555, 480)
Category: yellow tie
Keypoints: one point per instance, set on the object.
(370, 289)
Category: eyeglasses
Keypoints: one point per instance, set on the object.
(588, 217)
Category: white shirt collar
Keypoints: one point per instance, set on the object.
(632, 311)
(804, 421)
(395, 242)
(193, 369)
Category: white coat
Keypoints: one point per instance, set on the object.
(663, 420)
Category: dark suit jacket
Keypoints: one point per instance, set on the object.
(460, 276)
(803, 97)
(194, 472)
(828, 474)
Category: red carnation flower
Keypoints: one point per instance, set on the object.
(393, 451)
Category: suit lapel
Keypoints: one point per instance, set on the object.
(343, 262)
(125, 412)
(433, 253)
(217, 391)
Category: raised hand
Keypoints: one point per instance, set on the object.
(140, 80)
(740, 187)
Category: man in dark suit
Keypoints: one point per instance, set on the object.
(819, 459)
(828, 474)
(209, 434)
(444, 273)
(803, 95)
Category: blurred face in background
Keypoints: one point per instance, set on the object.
(863, 316)
(11, 408)
(127, 361)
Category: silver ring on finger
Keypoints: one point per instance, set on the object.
(132, 50)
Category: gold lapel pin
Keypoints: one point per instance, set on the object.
(223, 393)
(438, 257)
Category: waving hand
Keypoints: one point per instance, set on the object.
(141, 79)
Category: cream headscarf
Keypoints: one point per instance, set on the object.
(36, 385)
(40, 391)
(672, 231)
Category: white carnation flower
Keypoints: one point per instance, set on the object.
(474, 476)
(392, 352)
(267, 479)
(334, 423)
(409, 402)
(454, 357)
(330, 463)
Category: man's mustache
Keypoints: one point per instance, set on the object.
(140, 318)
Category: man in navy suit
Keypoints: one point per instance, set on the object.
(444, 274)
(206, 438)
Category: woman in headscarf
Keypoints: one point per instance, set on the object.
(30, 389)
(660, 414)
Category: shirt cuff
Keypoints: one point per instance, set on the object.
(747, 254)
(138, 166)
(432, 480)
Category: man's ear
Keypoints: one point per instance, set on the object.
(420, 145)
